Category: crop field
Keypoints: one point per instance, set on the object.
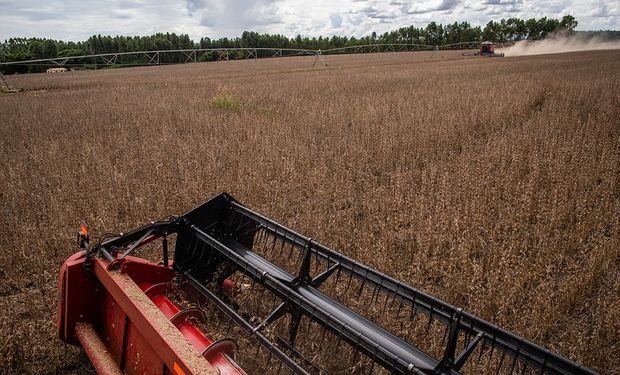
(492, 183)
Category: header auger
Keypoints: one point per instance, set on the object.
(246, 294)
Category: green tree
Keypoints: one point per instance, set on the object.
(434, 34)
(568, 22)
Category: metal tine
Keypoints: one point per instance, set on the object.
(488, 364)
(203, 248)
(229, 327)
(303, 253)
(378, 299)
(445, 333)
(387, 297)
(346, 290)
(257, 351)
(300, 256)
(243, 220)
(400, 307)
(252, 286)
(514, 358)
(241, 235)
(467, 337)
(290, 254)
(283, 241)
(356, 352)
(211, 255)
(262, 294)
(379, 286)
(525, 365)
(372, 366)
(337, 278)
(430, 319)
(193, 250)
(269, 237)
(192, 244)
(311, 320)
(241, 225)
(235, 217)
(544, 366)
(481, 352)
(338, 342)
(394, 296)
(309, 325)
(324, 331)
(362, 285)
(279, 368)
(501, 361)
(414, 312)
(257, 239)
(375, 292)
(492, 346)
(356, 347)
(265, 239)
(273, 243)
(269, 356)
(317, 262)
(231, 218)
(274, 300)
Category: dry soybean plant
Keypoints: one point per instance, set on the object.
(491, 183)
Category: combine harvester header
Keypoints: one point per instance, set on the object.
(246, 294)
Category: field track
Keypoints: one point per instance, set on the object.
(491, 183)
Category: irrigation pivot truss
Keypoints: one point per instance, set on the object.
(218, 54)
(155, 57)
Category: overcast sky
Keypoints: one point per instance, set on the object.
(78, 19)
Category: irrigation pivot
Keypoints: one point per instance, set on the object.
(218, 54)
(5, 86)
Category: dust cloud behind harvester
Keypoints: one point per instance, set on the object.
(560, 44)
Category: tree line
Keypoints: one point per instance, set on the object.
(506, 30)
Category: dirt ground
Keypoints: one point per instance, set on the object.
(492, 183)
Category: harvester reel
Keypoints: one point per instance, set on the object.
(278, 300)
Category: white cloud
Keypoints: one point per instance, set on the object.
(78, 19)
(335, 20)
(231, 17)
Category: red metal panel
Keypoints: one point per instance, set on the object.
(167, 342)
(113, 328)
(141, 270)
(80, 298)
(140, 358)
(135, 335)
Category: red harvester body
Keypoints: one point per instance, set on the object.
(127, 325)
